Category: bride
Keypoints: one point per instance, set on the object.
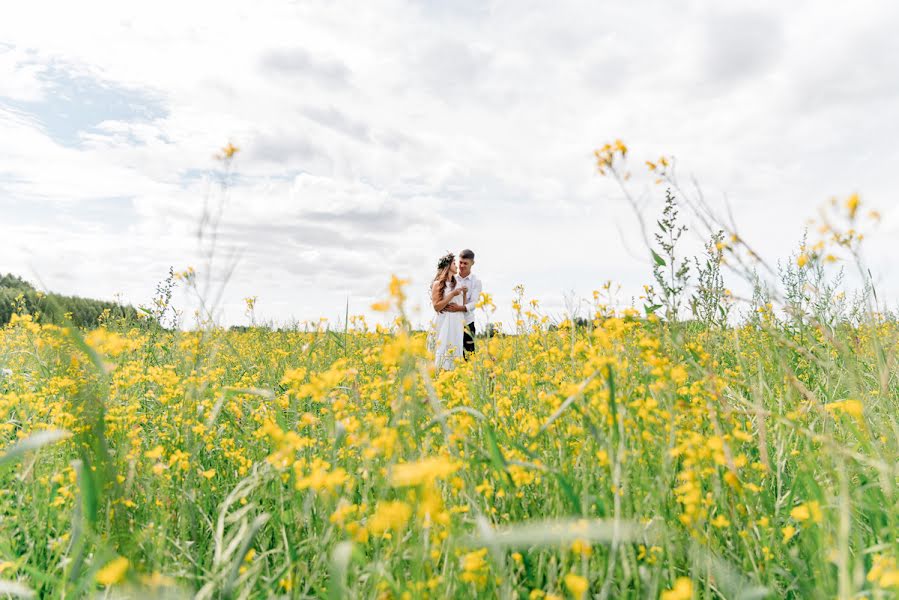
(449, 325)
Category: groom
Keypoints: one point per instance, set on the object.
(467, 279)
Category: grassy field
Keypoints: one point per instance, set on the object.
(625, 453)
(627, 457)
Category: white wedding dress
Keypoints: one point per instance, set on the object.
(448, 329)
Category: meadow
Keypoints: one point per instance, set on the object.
(628, 453)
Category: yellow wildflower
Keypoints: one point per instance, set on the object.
(883, 571)
(228, 152)
(682, 590)
(474, 567)
(852, 205)
(720, 522)
(423, 471)
(323, 480)
(853, 408)
(576, 585)
(389, 516)
(788, 532)
(113, 571)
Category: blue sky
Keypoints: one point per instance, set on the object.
(73, 104)
(374, 137)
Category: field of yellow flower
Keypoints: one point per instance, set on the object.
(624, 458)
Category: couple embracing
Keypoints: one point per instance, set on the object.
(454, 294)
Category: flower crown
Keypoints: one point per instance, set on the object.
(446, 260)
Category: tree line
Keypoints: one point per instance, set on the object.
(20, 296)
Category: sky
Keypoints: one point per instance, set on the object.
(376, 136)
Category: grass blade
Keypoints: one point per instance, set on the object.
(35, 441)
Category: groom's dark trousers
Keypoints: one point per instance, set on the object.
(468, 340)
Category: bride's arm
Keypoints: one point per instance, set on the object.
(439, 302)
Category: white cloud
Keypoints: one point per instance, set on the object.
(375, 136)
(21, 77)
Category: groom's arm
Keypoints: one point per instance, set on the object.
(475, 294)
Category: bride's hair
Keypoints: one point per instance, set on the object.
(443, 272)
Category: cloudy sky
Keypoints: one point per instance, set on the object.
(376, 135)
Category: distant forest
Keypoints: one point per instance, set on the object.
(18, 295)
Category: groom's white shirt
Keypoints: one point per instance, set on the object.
(474, 292)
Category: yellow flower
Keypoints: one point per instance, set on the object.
(110, 343)
(389, 516)
(682, 590)
(423, 471)
(113, 572)
(800, 513)
(323, 480)
(788, 532)
(883, 571)
(809, 510)
(474, 567)
(485, 301)
(720, 522)
(228, 152)
(890, 579)
(853, 408)
(294, 377)
(576, 585)
(581, 547)
(852, 205)
(396, 289)
(802, 260)
(679, 375)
